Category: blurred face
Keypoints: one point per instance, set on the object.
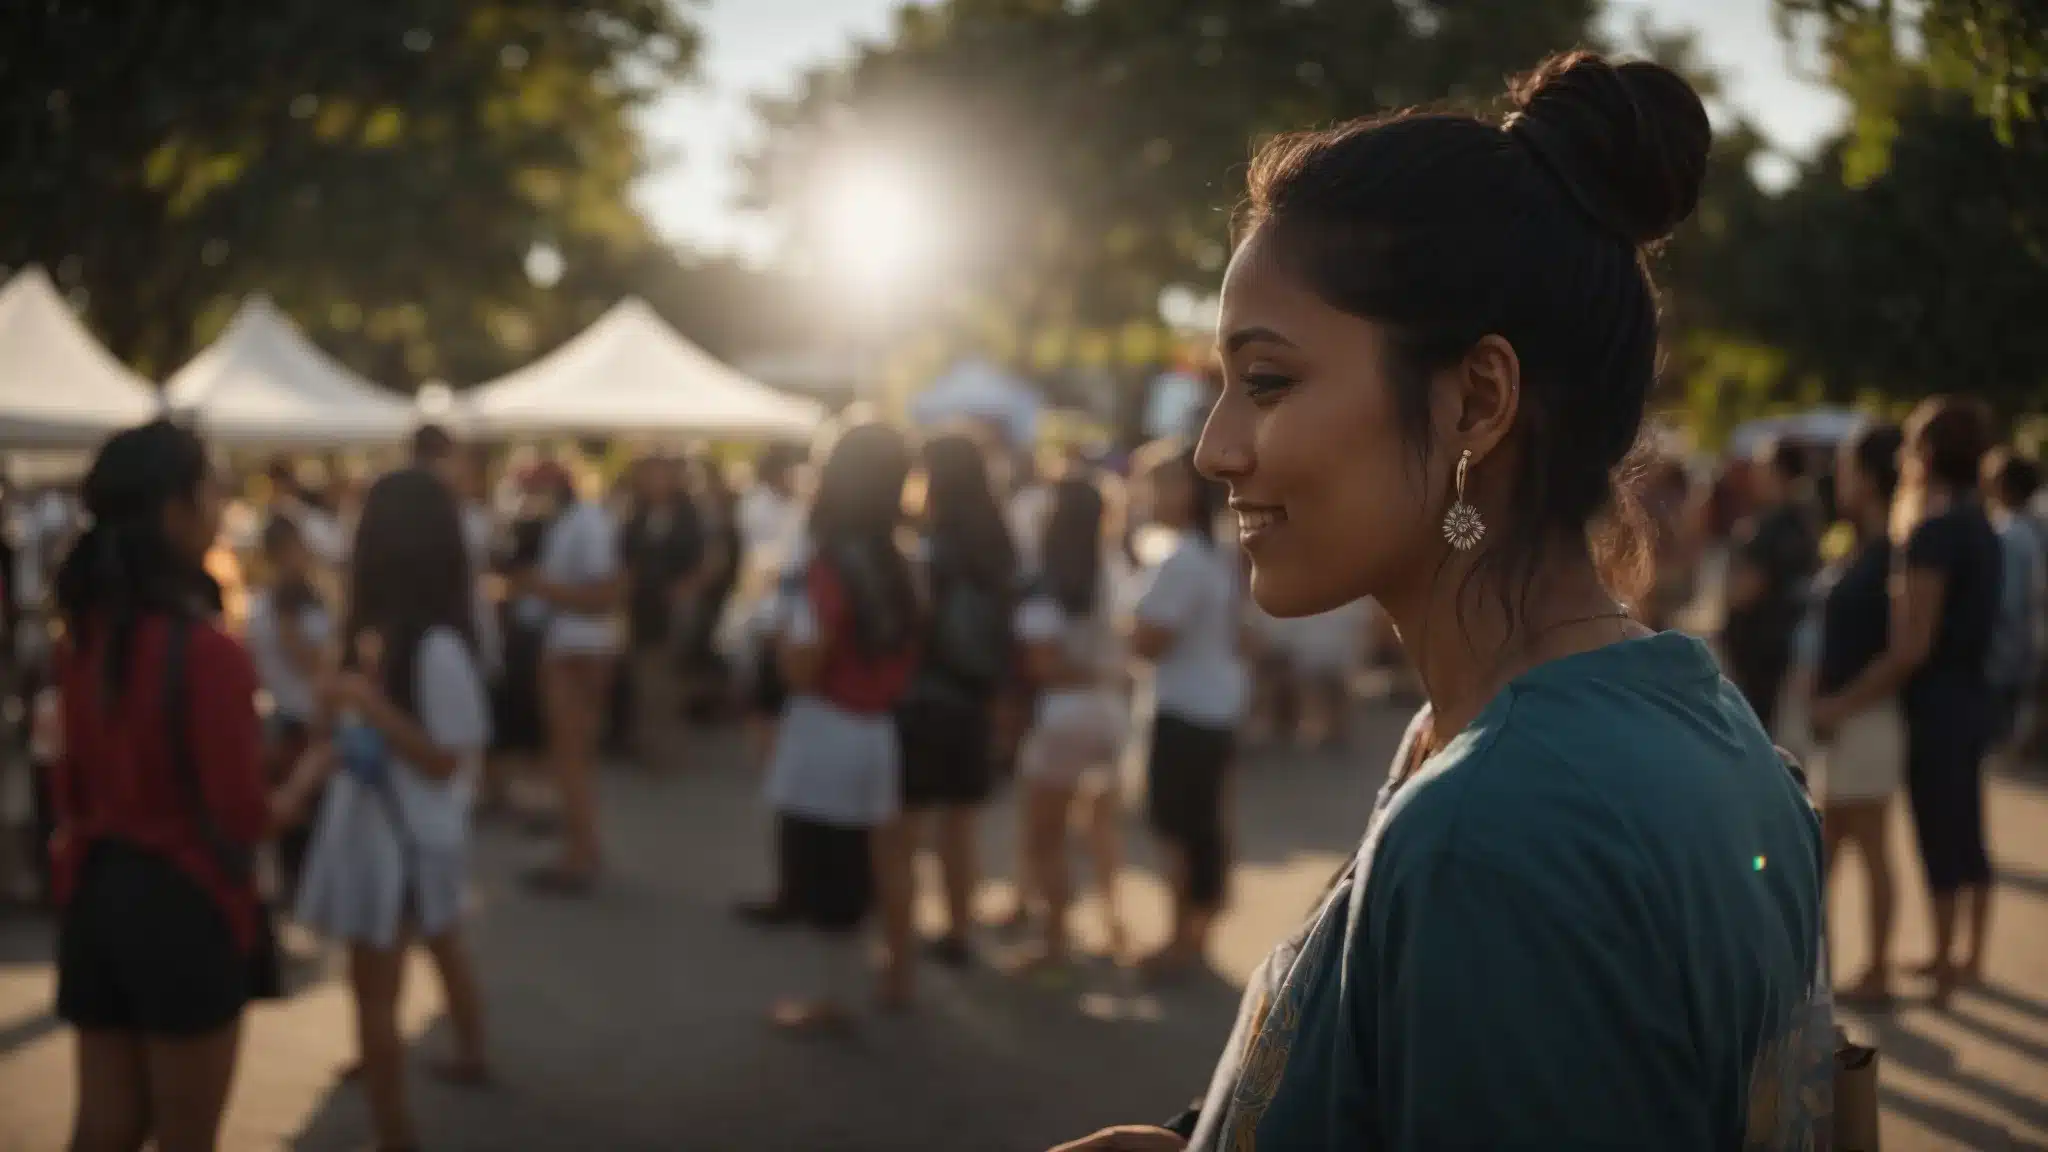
(1915, 458)
(192, 522)
(1330, 501)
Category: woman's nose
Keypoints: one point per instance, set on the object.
(1225, 450)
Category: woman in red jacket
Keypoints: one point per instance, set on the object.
(158, 929)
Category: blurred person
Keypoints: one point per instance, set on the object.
(409, 726)
(1321, 653)
(1076, 661)
(713, 584)
(321, 529)
(774, 545)
(771, 536)
(518, 733)
(1862, 762)
(1675, 544)
(847, 652)
(289, 634)
(945, 721)
(662, 546)
(461, 468)
(1945, 607)
(1587, 910)
(160, 802)
(1187, 630)
(578, 584)
(2010, 481)
(1775, 557)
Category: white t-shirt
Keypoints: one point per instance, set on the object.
(291, 692)
(581, 547)
(453, 708)
(1029, 509)
(1193, 593)
(767, 519)
(1089, 642)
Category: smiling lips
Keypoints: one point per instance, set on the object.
(1256, 520)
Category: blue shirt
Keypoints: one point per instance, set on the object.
(1593, 920)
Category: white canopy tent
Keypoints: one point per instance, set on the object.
(977, 389)
(1822, 426)
(263, 382)
(632, 373)
(58, 387)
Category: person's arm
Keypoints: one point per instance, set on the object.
(1500, 1017)
(1916, 604)
(226, 736)
(453, 722)
(1165, 606)
(1040, 625)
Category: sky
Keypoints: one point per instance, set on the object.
(756, 46)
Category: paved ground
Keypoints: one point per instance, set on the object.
(634, 1022)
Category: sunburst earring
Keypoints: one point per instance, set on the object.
(1462, 526)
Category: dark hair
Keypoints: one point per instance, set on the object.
(122, 568)
(1788, 460)
(1955, 431)
(1206, 497)
(1446, 228)
(409, 574)
(961, 513)
(853, 528)
(279, 533)
(431, 443)
(2015, 477)
(777, 461)
(1875, 448)
(1070, 548)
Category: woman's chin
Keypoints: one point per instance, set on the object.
(1286, 590)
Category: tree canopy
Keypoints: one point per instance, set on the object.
(383, 169)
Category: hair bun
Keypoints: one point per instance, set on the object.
(1628, 141)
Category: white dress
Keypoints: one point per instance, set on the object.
(385, 857)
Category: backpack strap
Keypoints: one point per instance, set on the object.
(236, 860)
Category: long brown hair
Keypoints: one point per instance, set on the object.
(409, 575)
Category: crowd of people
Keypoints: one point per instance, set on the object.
(1438, 340)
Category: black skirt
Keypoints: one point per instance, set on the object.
(142, 948)
(828, 875)
(948, 752)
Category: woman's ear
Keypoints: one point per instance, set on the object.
(1486, 395)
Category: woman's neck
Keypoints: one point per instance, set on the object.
(1467, 640)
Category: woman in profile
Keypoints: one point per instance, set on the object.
(1863, 757)
(1587, 910)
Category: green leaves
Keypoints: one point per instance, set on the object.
(380, 168)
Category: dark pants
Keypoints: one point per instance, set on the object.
(1945, 781)
(1184, 792)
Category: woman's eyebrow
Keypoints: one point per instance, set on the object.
(1244, 336)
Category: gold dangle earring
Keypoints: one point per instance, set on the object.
(1462, 526)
